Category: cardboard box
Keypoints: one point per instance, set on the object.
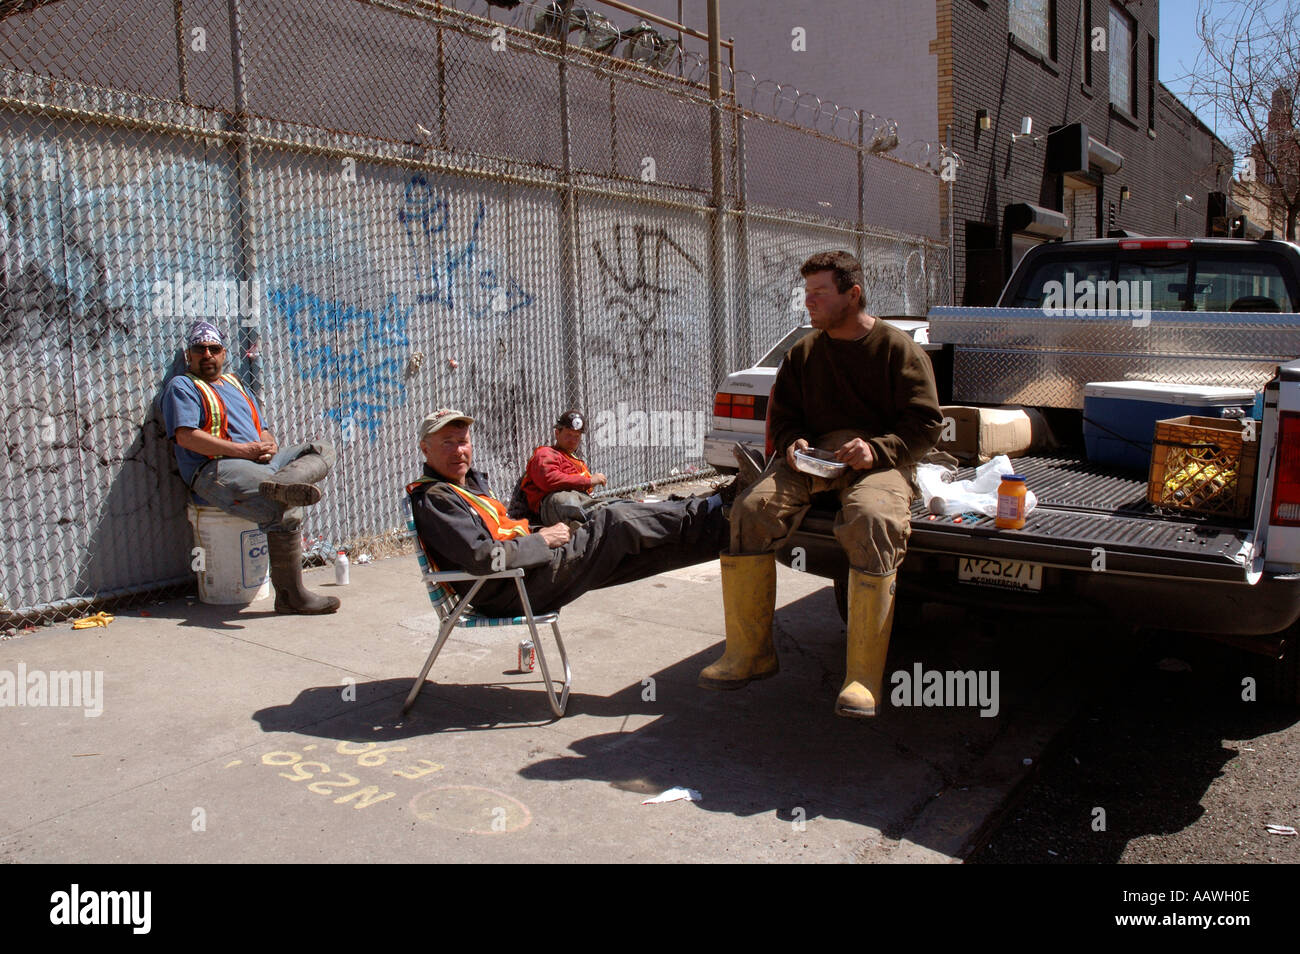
(978, 434)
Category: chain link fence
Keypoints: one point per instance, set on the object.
(388, 206)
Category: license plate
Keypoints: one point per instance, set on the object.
(1005, 573)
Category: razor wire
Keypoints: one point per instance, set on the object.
(388, 206)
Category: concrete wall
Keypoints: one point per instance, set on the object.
(872, 56)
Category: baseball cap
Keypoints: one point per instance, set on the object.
(440, 418)
(572, 419)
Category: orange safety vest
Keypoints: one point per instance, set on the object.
(213, 417)
(491, 512)
(582, 464)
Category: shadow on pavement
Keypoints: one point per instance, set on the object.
(193, 614)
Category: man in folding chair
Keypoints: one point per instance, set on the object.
(463, 528)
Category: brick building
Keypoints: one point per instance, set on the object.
(1282, 141)
(1108, 146)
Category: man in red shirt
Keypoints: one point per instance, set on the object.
(557, 483)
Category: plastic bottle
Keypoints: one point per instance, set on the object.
(341, 571)
(1011, 502)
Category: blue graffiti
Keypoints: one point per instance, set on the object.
(462, 280)
(83, 244)
(372, 384)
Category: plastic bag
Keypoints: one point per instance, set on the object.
(949, 497)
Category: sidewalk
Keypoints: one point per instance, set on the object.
(242, 736)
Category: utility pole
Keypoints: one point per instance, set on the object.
(717, 230)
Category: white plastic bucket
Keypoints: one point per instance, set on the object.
(235, 560)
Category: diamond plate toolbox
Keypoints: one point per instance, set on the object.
(1027, 356)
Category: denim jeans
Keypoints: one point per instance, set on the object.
(231, 484)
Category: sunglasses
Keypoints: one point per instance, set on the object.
(207, 349)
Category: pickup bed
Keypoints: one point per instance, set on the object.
(1094, 547)
(1154, 564)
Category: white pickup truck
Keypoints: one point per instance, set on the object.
(1215, 312)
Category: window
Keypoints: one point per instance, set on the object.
(1167, 278)
(1120, 45)
(1067, 272)
(1239, 285)
(1151, 83)
(774, 357)
(1222, 282)
(1033, 24)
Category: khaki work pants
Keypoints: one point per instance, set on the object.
(873, 524)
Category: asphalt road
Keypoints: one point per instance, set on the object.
(1183, 769)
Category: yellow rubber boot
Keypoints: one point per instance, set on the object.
(748, 599)
(871, 617)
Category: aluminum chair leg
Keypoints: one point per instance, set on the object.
(444, 631)
(564, 661)
(557, 705)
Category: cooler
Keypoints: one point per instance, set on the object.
(1119, 417)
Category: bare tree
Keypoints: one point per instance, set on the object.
(1248, 70)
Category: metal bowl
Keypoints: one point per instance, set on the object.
(819, 463)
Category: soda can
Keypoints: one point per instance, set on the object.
(527, 656)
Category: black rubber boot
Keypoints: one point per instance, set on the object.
(286, 576)
(294, 485)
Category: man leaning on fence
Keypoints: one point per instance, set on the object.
(462, 527)
(230, 460)
(860, 388)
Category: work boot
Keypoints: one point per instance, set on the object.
(294, 484)
(871, 617)
(748, 599)
(286, 576)
(749, 470)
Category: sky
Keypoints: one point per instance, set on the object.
(1179, 46)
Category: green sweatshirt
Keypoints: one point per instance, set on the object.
(881, 383)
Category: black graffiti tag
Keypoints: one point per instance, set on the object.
(638, 290)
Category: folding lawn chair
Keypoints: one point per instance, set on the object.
(454, 610)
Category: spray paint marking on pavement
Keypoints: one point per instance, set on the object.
(343, 787)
